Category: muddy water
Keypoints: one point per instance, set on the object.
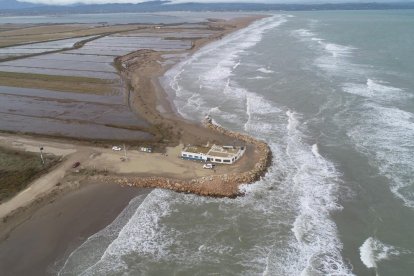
(74, 65)
(40, 47)
(58, 72)
(75, 114)
(69, 114)
(94, 59)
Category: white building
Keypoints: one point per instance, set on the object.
(214, 154)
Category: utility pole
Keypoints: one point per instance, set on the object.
(125, 152)
(41, 155)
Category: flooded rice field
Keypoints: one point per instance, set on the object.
(69, 114)
(58, 71)
(120, 45)
(71, 66)
(196, 33)
(62, 64)
(35, 48)
(92, 110)
(94, 59)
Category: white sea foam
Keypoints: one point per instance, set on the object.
(142, 234)
(309, 183)
(373, 251)
(376, 89)
(317, 181)
(94, 247)
(309, 189)
(333, 58)
(383, 132)
(376, 132)
(337, 50)
(265, 70)
(227, 54)
(282, 226)
(258, 78)
(334, 50)
(303, 33)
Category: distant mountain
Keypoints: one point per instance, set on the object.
(12, 7)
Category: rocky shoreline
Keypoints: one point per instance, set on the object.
(224, 185)
(140, 71)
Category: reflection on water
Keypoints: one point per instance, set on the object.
(69, 114)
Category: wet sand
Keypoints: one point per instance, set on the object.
(40, 245)
(77, 118)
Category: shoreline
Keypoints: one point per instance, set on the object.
(179, 131)
(144, 74)
(41, 244)
(180, 176)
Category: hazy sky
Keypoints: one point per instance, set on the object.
(67, 2)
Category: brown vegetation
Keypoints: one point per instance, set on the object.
(56, 83)
(18, 168)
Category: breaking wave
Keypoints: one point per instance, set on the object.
(265, 70)
(379, 128)
(300, 190)
(372, 252)
(378, 90)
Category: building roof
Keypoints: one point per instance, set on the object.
(214, 150)
(197, 149)
(223, 151)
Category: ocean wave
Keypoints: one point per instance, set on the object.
(91, 251)
(265, 70)
(298, 193)
(317, 181)
(258, 78)
(303, 33)
(283, 224)
(379, 90)
(335, 50)
(373, 251)
(378, 127)
(142, 234)
(386, 135)
(227, 54)
(333, 58)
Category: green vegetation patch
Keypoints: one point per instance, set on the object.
(19, 168)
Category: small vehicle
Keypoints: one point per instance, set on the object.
(146, 149)
(116, 148)
(208, 166)
(75, 165)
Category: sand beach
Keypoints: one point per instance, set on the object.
(60, 209)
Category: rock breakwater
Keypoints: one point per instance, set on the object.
(224, 185)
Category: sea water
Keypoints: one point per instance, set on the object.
(332, 94)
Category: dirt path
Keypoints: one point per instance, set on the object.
(98, 159)
(42, 185)
(142, 76)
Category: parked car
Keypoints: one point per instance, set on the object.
(75, 165)
(145, 149)
(116, 148)
(208, 166)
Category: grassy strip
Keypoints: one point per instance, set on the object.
(19, 168)
(56, 83)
